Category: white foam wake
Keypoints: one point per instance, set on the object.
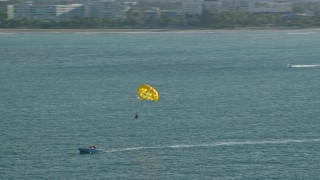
(231, 143)
(302, 65)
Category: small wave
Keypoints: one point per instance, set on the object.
(232, 143)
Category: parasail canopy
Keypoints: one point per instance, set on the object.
(146, 92)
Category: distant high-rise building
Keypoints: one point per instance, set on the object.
(28, 11)
(70, 11)
(192, 7)
(104, 9)
(235, 5)
(3, 5)
(211, 5)
(271, 7)
(94, 8)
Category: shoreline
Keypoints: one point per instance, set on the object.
(157, 30)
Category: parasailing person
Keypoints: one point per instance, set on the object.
(146, 92)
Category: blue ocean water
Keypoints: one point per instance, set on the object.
(229, 108)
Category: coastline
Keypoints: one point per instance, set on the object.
(298, 30)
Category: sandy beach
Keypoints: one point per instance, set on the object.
(154, 30)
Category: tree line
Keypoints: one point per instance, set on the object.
(207, 20)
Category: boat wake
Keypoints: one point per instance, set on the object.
(302, 65)
(232, 143)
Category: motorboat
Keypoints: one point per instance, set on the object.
(89, 150)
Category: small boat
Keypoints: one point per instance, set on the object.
(89, 150)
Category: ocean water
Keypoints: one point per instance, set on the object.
(229, 107)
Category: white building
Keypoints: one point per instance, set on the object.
(192, 7)
(29, 11)
(70, 11)
(104, 9)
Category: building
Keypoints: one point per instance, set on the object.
(153, 13)
(29, 11)
(192, 7)
(235, 5)
(3, 9)
(271, 7)
(211, 5)
(176, 14)
(3, 4)
(113, 10)
(250, 6)
(94, 9)
(70, 11)
(104, 9)
(48, 12)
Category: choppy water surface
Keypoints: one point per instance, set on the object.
(229, 106)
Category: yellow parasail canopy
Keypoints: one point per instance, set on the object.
(147, 92)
